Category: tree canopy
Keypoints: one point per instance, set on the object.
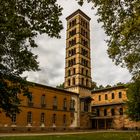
(134, 100)
(121, 22)
(61, 86)
(20, 22)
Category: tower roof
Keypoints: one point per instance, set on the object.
(78, 12)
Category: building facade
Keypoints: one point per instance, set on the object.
(109, 109)
(76, 106)
(49, 109)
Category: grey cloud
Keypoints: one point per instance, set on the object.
(51, 53)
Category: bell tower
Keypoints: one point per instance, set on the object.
(78, 63)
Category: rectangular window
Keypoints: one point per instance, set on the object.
(43, 101)
(74, 71)
(14, 118)
(82, 71)
(54, 118)
(99, 97)
(42, 118)
(29, 117)
(106, 97)
(65, 104)
(54, 102)
(121, 111)
(86, 107)
(64, 120)
(72, 105)
(120, 94)
(112, 112)
(113, 96)
(97, 112)
(30, 100)
(105, 112)
(82, 106)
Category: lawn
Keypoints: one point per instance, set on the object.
(93, 136)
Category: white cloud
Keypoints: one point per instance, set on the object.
(51, 53)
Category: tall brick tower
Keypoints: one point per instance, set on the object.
(78, 63)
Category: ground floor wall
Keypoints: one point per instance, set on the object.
(116, 122)
(63, 120)
(85, 121)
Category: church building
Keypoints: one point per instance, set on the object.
(76, 106)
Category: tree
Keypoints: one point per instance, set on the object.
(93, 85)
(133, 102)
(121, 22)
(61, 86)
(20, 22)
(119, 84)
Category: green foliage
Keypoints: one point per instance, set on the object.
(121, 22)
(20, 22)
(94, 86)
(61, 86)
(133, 103)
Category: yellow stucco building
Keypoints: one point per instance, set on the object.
(76, 106)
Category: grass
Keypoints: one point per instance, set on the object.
(93, 136)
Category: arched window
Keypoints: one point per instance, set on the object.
(68, 82)
(29, 117)
(82, 70)
(69, 73)
(69, 63)
(73, 81)
(69, 53)
(86, 72)
(74, 50)
(82, 81)
(74, 41)
(74, 61)
(86, 82)
(74, 70)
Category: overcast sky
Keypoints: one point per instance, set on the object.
(51, 53)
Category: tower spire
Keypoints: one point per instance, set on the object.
(78, 63)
